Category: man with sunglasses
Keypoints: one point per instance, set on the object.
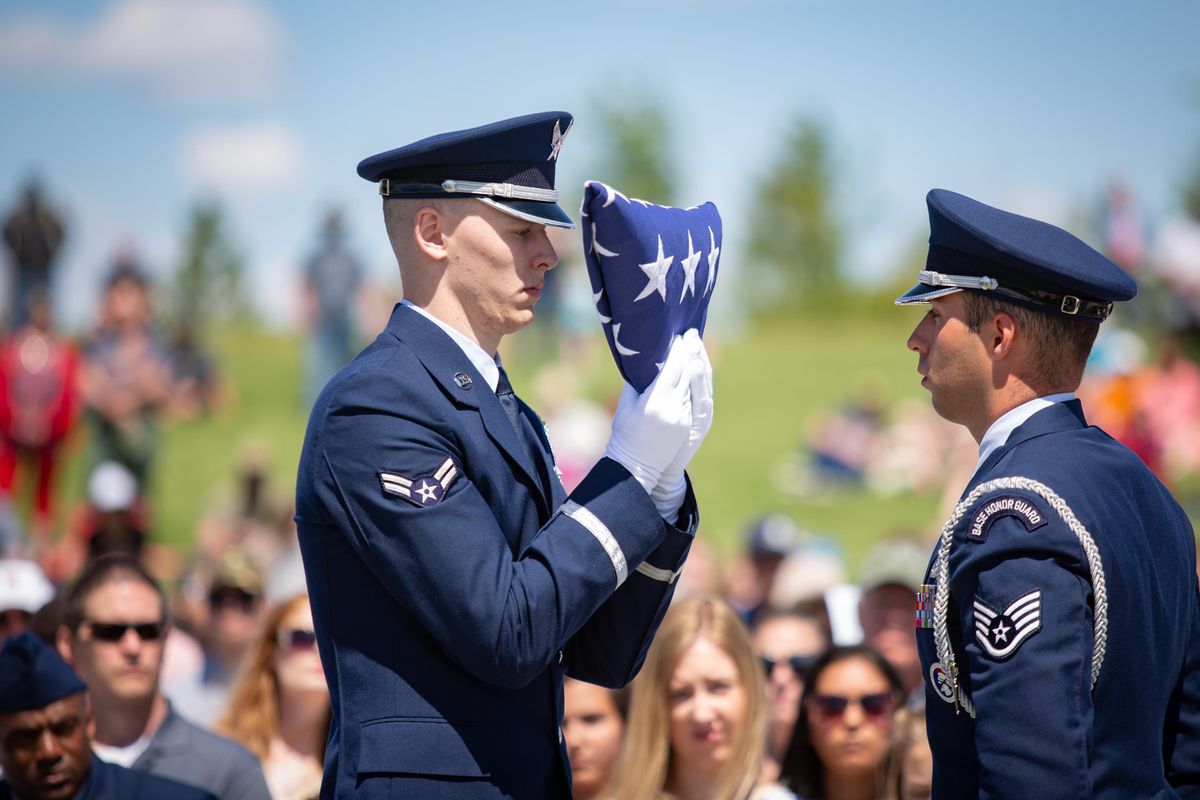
(1058, 624)
(114, 635)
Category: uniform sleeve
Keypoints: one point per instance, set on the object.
(1182, 733)
(424, 529)
(1026, 624)
(610, 648)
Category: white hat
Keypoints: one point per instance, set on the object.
(112, 487)
(23, 586)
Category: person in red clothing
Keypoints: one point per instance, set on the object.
(39, 404)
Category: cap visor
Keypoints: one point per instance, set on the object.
(923, 293)
(531, 211)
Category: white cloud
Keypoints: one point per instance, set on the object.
(180, 50)
(250, 158)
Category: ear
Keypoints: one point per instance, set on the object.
(1000, 335)
(429, 232)
(64, 640)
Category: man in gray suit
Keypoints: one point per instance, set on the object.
(114, 635)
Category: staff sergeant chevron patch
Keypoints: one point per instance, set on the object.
(423, 490)
(1000, 633)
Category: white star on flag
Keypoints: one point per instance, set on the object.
(656, 271)
(598, 248)
(622, 349)
(689, 265)
(596, 301)
(713, 255)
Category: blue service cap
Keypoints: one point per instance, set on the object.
(977, 248)
(508, 164)
(33, 675)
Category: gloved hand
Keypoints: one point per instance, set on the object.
(668, 493)
(649, 429)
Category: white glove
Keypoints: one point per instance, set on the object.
(649, 429)
(671, 487)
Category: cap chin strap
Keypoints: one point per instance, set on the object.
(510, 191)
(1067, 305)
(941, 571)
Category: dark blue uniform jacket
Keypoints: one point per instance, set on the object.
(453, 583)
(1021, 624)
(113, 782)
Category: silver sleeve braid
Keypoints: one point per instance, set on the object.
(941, 633)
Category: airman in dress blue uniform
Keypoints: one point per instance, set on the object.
(1059, 624)
(453, 582)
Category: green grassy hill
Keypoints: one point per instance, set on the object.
(768, 385)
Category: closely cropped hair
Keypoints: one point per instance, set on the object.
(645, 764)
(802, 770)
(252, 714)
(101, 572)
(1059, 346)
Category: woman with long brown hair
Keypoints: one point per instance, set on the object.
(279, 708)
(697, 718)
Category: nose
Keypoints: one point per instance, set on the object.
(545, 256)
(853, 716)
(49, 748)
(130, 644)
(917, 340)
(702, 707)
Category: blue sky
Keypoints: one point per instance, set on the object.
(131, 110)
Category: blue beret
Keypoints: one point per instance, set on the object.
(508, 165)
(652, 269)
(33, 675)
(977, 248)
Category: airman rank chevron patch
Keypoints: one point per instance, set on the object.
(1000, 633)
(422, 490)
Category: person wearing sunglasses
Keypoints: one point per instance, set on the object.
(114, 636)
(279, 707)
(842, 739)
(787, 642)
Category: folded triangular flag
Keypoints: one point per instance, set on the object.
(652, 270)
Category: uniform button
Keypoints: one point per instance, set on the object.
(560, 656)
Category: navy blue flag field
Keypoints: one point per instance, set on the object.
(652, 270)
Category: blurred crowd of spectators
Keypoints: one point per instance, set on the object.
(773, 676)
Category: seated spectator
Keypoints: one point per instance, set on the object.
(788, 642)
(279, 707)
(126, 380)
(45, 747)
(697, 717)
(232, 616)
(891, 575)
(768, 541)
(593, 725)
(23, 591)
(114, 634)
(910, 776)
(840, 746)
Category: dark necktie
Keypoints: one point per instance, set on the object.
(508, 401)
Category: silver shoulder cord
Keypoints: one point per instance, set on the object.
(941, 569)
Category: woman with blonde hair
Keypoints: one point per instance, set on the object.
(279, 707)
(697, 718)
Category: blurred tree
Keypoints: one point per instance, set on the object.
(636, 137)
(795, 245)
(208, 282)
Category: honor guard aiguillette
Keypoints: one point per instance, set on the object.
(1058, 627)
